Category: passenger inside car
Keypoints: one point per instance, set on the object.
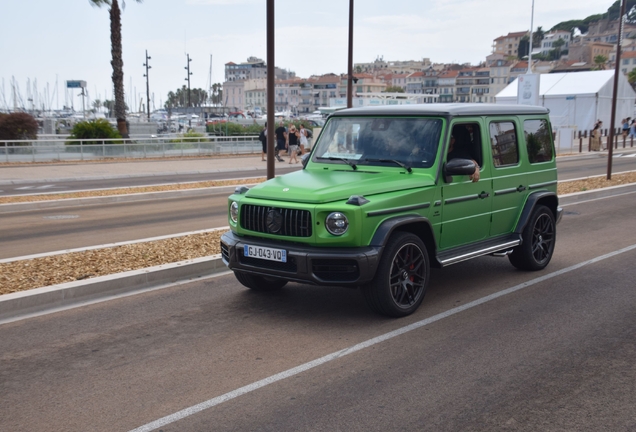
(462, 146)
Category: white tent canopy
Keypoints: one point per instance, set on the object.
(577, 99)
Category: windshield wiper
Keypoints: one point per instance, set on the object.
(397, 162)
(345, 160)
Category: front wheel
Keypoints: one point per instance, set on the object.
(401, 280)
(259, 283)
(538, 240)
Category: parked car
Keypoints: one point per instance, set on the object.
(389, 192)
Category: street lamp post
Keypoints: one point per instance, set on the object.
(350, 59)
(188, 80)
(147, 84)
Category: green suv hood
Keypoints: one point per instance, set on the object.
(318, 186)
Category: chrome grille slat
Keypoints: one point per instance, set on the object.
(296, 223)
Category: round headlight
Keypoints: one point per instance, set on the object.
(234, 211)
(337, 223)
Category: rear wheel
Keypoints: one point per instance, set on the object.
(539, 237)
(259, 283)
(401, 280)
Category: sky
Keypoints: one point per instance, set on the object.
(44, 42)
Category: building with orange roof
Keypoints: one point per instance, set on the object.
(509, 45)
(628, 61)
(447, 81)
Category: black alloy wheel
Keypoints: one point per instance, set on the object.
(401, 280)
(539, 238)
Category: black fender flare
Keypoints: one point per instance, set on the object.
(423, 229)
(548, 198)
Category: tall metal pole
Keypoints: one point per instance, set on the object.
(147, 84)
(350, 60)
(610, 138)
(188, 79)
(530, 48)
(271, 125)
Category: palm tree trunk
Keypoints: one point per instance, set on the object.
(118, 67)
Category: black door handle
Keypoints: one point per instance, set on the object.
(521, 188)
(484, 195)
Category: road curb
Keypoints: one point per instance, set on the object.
(575, 197)
(62, 296)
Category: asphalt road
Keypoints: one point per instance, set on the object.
(568, 168)
(41, 231)
(39, 187)
(595, 164)
(555, 352)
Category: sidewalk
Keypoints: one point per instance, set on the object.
(47, 172)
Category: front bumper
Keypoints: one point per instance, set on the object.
(306, 264)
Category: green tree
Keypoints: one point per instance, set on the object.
(117, 61)
(615, 9)
(523, 49)
(17, 126)
(217, 94)
(557, 45)
(180, 98)
(600, 62)
(92, 129)
(537, 37)
(394, 89)
(97, 104)
(631, 77)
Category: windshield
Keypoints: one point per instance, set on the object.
(412, 142)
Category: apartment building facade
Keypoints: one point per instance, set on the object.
(547, 43)
(508, 45)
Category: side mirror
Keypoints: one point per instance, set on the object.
(304, 159)
(458, 167)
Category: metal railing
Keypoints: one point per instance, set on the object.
(51, 149)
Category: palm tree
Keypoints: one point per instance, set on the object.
(599, 62)
(117, 62)
(537, 37)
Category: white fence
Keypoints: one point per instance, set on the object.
(49, 149)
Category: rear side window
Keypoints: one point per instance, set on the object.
(538, 140)
(503, 140)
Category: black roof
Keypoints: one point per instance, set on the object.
(443, 109)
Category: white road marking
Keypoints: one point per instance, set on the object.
(179, 415)
(50, 186)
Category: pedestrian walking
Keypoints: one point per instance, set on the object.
(304, 143)
(596, 136)
(262, 137)
(281, 141)
(293, 137)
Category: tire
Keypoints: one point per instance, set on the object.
(259, 283)
(399, 285)
(538, 240)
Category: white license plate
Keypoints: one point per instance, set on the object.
(267, 253)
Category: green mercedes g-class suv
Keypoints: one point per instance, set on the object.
(389, 191)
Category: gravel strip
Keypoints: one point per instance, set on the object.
(39, 272)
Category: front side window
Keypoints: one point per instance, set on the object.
(465, 142)
(503, 140)
(538, 141)
(380, 141)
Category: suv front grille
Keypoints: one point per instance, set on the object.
(293, 223)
